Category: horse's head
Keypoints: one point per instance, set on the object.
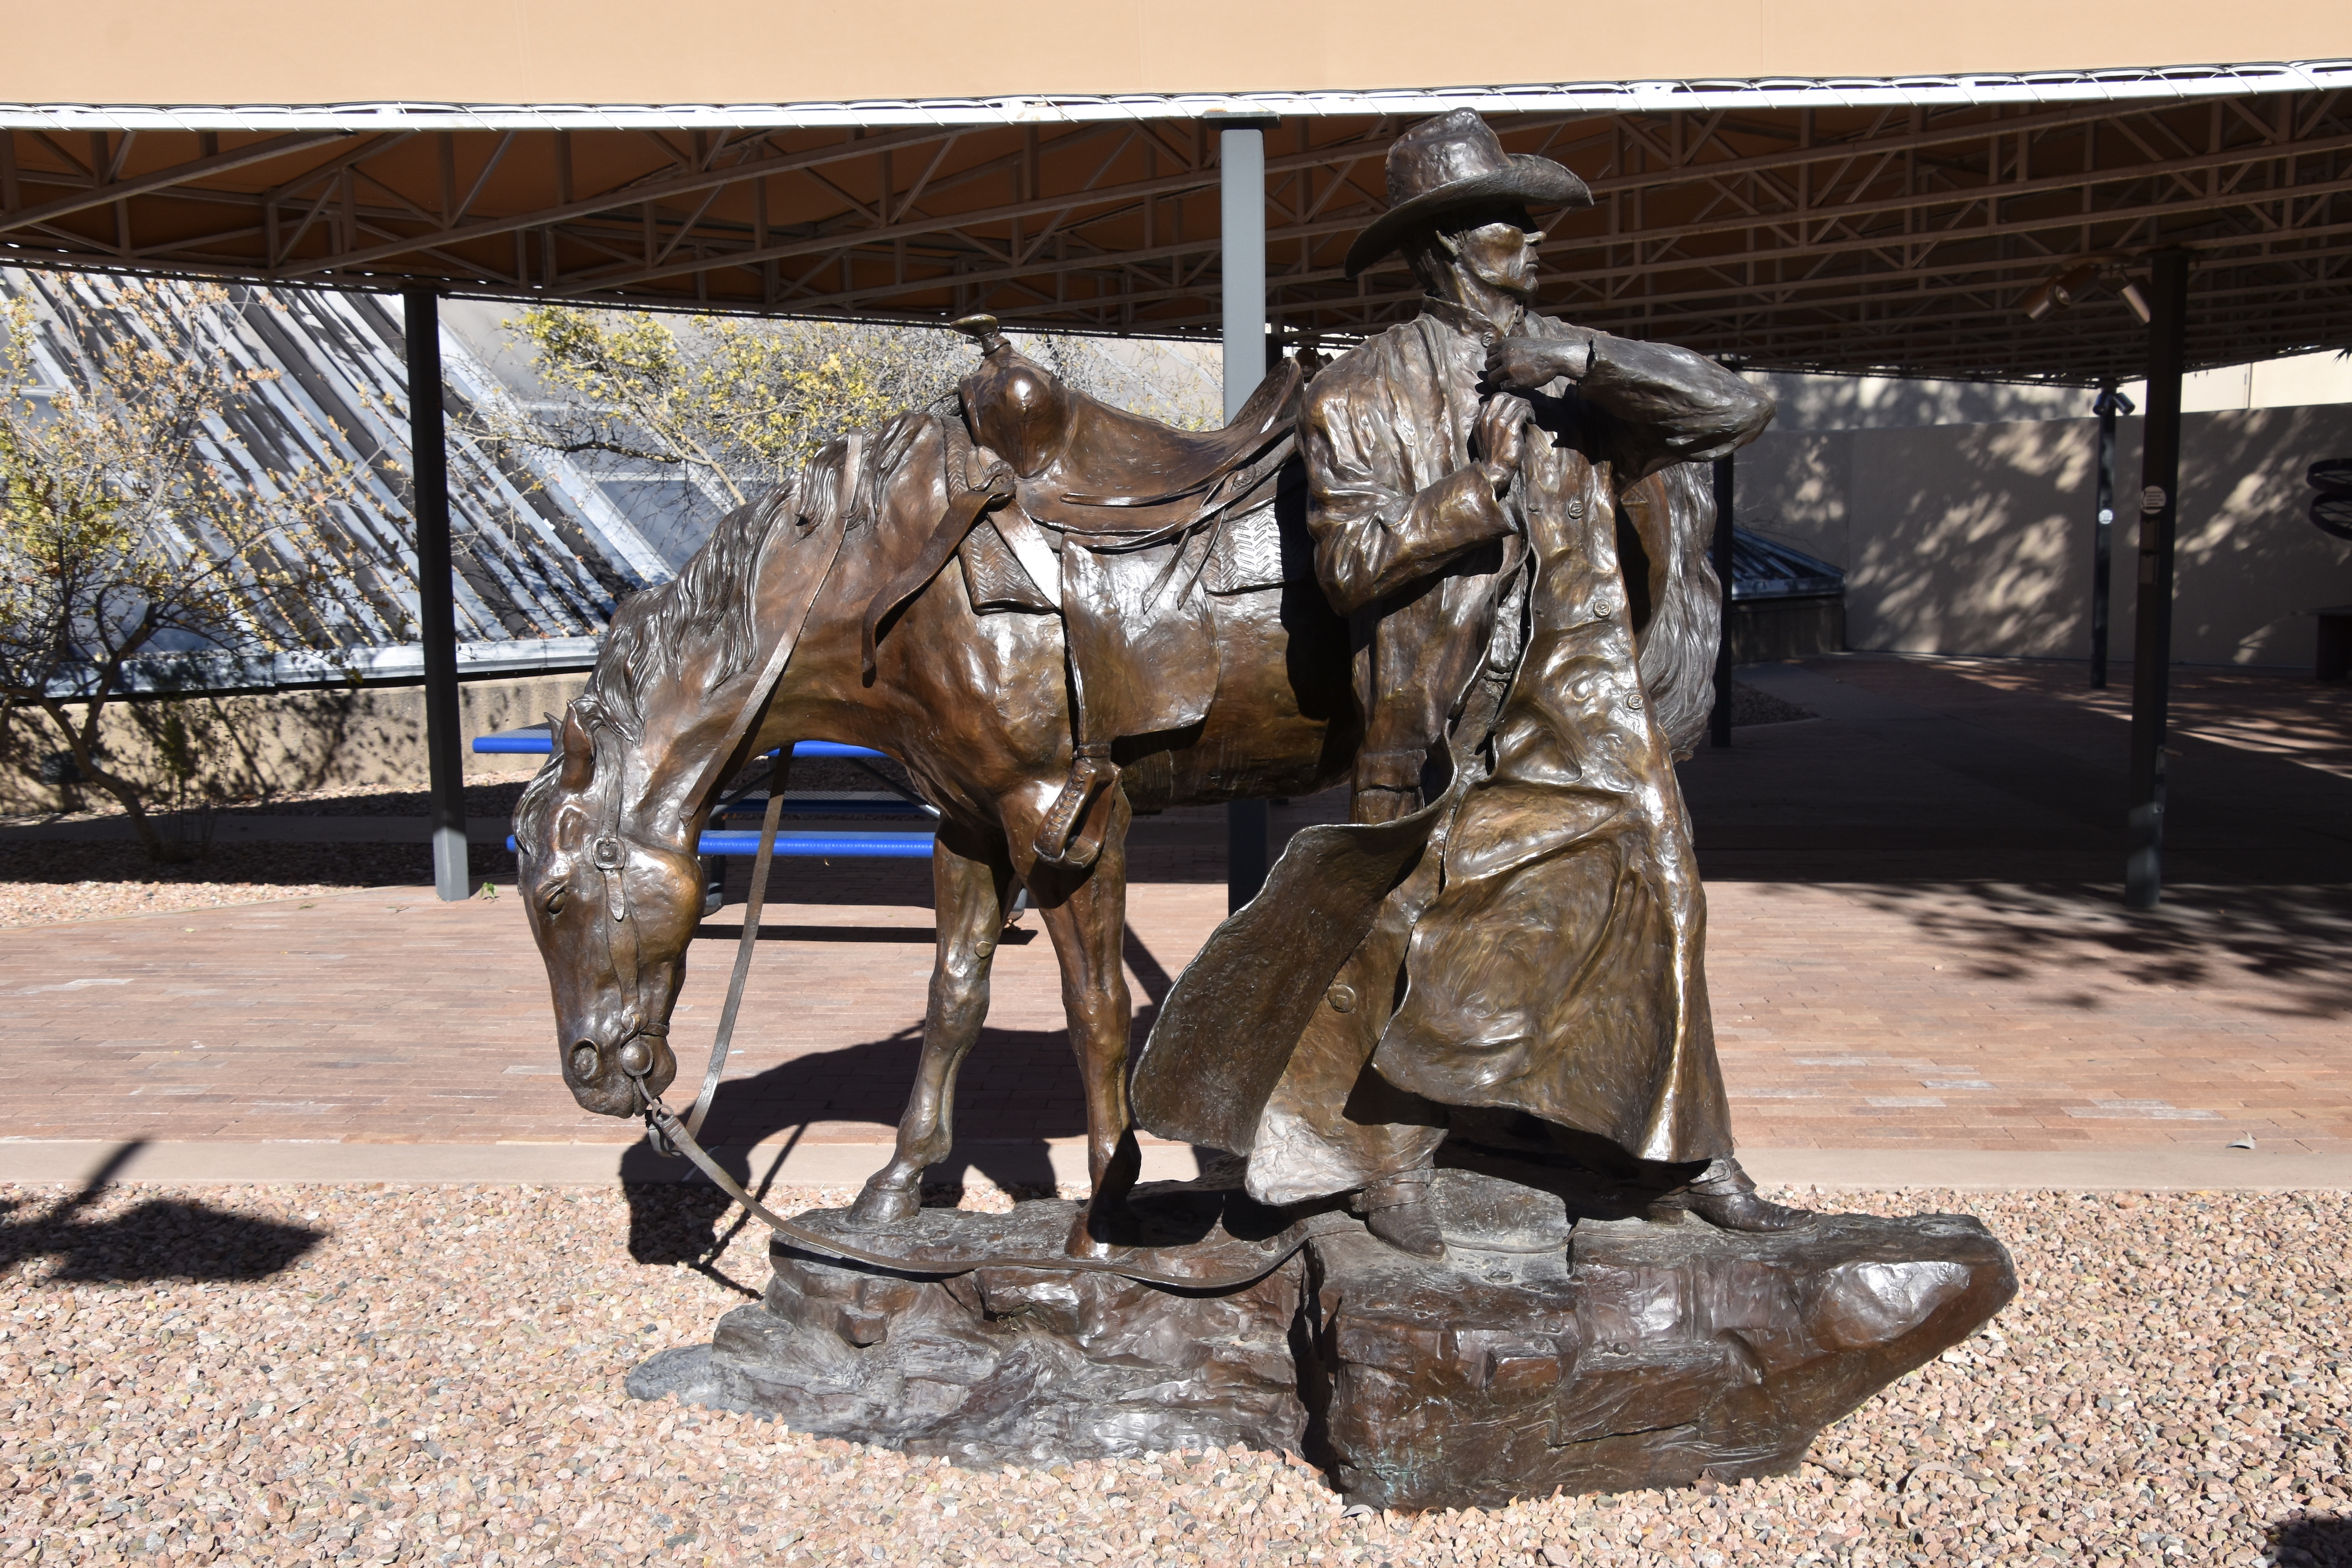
(613, 907)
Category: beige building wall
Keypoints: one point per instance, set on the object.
(307, 739)
(1976, 539)
(618, 52)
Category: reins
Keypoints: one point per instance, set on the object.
(754, 902)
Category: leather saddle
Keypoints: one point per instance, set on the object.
(1083, 468)
(1113, 519)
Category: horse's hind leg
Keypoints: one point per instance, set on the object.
(970, 883)
(1086, 916)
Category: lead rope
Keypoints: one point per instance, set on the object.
(661, 1119)
(754, 900)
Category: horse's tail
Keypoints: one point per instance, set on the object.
(1674, 513)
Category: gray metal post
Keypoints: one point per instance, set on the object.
(1718, 722)
(2111, 404)
(1241, 162)
(436, 610)
(2159, 512)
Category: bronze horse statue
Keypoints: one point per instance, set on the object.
(1135, 624)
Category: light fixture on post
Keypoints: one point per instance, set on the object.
(2058, 292)
(2068, 287)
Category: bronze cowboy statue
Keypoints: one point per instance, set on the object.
(1472, 473)
(1464, 569)
(1461, 569)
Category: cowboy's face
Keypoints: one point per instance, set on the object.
(1499, 250)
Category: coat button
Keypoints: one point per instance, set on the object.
(1576, 508)
(1342, 998)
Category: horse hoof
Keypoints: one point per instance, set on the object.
(884, 1209)
(1093, 1236)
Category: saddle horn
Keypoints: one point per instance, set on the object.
(982, 331)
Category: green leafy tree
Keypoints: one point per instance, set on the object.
(738, 406)
(125, 533)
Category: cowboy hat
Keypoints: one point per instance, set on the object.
(1454, 161)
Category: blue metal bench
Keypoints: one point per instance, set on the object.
(537, 740)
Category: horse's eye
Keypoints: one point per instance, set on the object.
(555, 902)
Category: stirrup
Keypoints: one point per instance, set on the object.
(1091, 770)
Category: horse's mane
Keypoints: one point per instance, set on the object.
(708, 601)
(658, 632)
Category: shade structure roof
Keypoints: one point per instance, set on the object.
(1894, 224)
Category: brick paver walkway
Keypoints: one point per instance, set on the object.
(1914, 939)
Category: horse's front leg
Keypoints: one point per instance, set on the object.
(970, 880)
(1086, 914)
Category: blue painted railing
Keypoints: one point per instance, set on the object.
(539, 742)
(804, 846)
(810, 846)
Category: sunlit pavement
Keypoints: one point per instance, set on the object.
(1915, 944)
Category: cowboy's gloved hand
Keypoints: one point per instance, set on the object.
(1526, 364)
(1500, 437)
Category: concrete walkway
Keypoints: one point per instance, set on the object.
(1920, 970)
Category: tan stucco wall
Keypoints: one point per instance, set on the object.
(300, 739)
(622, 52)
(1976, 539)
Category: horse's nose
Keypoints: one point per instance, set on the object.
(585, 1061)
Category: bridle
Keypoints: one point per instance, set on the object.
(608, 855)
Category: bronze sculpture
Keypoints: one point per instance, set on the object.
(1095, 654)
(1467, 471)
(1463, 570)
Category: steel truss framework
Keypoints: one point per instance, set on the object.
(1855, 235)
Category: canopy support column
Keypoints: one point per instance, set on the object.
(1241, 162)
(2159, 512)
(436, 610)
(2111, 404)
(1718, 722)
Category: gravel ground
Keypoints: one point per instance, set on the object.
(433, 1374)
(486, 795)
(42, 882)
(1753, 705)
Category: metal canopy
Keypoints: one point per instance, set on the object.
(1838, 226)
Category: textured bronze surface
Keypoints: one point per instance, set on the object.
(1464, 567)
(998, 1363)
(1623, 1355)
(1503, 504)
(1648, 1356)
(1080, 668)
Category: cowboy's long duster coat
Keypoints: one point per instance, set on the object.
(1544, 951)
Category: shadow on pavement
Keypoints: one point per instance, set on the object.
(162, 1239)
(2293, 939)
(675, 1221)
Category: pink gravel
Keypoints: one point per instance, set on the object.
(433, 1374)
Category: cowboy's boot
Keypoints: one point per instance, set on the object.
(1724, 1196)
(1396, 1209)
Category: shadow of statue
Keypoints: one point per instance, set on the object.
(160, 1239)
(2313, 1540)
(1017, 1090)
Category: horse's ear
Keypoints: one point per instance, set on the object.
(579, 752)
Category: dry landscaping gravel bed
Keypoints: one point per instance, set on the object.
(46, 881)
(433, 1374)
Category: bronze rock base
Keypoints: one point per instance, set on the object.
(994, 1364)
(1629, 1354)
